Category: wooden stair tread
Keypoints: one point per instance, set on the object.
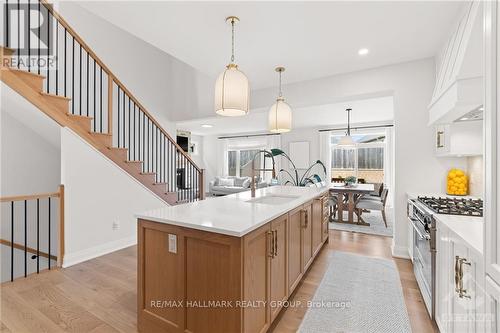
(7, 50)
(58, 97)
(134, 161)
(160, 183)
(148, 173)
(23, 72)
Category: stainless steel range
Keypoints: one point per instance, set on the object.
(424, 250)
(421, 212)
(453, 205)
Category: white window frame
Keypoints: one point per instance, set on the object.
(238, 156)
(361, 145)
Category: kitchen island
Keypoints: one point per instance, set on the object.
(227, 264)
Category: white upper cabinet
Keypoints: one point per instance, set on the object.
(492, 151)
(459, 69)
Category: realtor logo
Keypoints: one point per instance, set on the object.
(28, 29)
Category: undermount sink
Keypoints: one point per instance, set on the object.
(273, 199)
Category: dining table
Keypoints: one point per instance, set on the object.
(352, 192)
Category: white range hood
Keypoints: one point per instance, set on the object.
(459, 79)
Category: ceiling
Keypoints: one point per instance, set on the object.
(367, 111)
(311, 39)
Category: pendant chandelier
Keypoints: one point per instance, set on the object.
(232, 90)
(280, 114)
(347, 141)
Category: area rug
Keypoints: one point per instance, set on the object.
(358, 294)
(376, 227)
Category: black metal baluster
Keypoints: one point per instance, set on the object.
(25, 239)
(12, 241)
(48, 48)
(124, 120)
(18, 32)
(73, 77)
(129, 150)
(87, 84)
(94, 98)
(118, 108)
(65, 64)
(39, 34)
(143, 142)
(49, 236)
(57, 57)
(147, 146)
(7, 32)
(135, 159)
(100, 99)
(80, 86)
(29, 34)
(38, 235)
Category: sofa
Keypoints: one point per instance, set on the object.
(231, 184)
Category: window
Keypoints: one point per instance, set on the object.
(364, 161)
(240, 162)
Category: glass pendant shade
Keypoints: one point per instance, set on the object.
(280, 117)
(346, 141)
(232, 92)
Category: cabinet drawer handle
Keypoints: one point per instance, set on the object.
(270, 243)
(306, 218)
(459, 276)
(275, 232)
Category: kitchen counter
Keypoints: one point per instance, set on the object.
(233, 215)
(231, 261)
(469, 229)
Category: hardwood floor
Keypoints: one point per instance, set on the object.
(100, 295)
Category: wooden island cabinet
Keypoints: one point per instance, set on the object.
(193, 280)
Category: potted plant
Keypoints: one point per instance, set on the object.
(350, 181)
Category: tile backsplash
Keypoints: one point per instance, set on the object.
(475, 171)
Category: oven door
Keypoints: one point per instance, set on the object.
(422, 263)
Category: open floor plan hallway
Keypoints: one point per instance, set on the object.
(100, 295)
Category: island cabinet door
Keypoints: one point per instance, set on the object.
(295, 226)
(307, 236)
(317, 224)
(257, 252)
(326, 216)
(279, 264)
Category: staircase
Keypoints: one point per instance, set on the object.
(77, 90)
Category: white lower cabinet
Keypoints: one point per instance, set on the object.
(462, 304)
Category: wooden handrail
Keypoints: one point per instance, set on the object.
(112, 77)
(30, 197)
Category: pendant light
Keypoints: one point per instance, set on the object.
(280, 114)
(347, 141)
(232, 90)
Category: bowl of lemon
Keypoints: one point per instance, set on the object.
(457, 182)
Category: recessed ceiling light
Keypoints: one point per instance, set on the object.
(207, 126)
(363, 51)
(464, 118)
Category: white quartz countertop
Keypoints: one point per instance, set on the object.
(233, 215)
(470, 229)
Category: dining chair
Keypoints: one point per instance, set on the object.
(372, 204)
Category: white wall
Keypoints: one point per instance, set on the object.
(29, 163)
(95, 200)
(416, 169)
(163, 84)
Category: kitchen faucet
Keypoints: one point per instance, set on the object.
(266, 154)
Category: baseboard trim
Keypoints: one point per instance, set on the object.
(71, 259)
(400, 252)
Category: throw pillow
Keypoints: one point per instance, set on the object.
(226, 182)
(246, 183)
(238, 181)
